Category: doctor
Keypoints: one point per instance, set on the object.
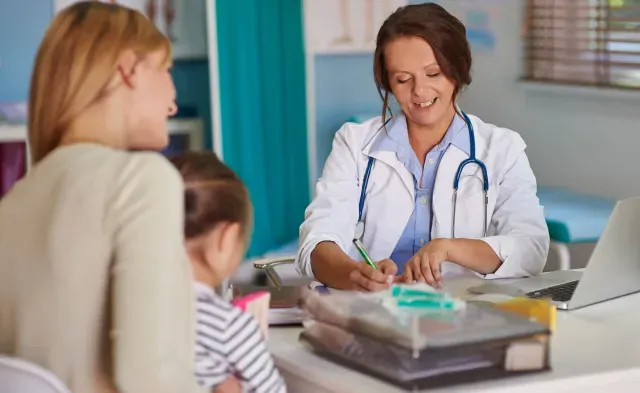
(390, 181)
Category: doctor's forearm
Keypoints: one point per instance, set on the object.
(473, 254)
(332, 266)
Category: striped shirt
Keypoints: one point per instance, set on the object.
(229, 342)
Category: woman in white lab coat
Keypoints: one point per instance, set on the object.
(406, 208)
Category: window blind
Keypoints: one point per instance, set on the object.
(583, 42)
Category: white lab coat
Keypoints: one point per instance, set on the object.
(517, 231)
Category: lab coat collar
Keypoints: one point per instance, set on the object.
(389, 156)
(398, 136)
(394, 135)
(390, 138)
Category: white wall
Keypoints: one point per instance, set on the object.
(584, 139)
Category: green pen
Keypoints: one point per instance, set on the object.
(364, 254)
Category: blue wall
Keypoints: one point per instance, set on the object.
(344, 87)
(22, 25)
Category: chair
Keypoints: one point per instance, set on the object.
(268, 265)
(21, 376)
(283, 255)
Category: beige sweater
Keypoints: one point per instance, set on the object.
(94, 280)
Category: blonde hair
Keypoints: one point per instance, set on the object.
(75, 62)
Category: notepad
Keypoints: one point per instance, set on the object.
(256, 304)
(283, 303)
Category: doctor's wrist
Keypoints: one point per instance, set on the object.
(444, 245)
(472, 254)
(331, 266)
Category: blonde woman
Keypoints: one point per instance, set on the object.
(94, 279)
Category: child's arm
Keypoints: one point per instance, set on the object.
(211, 369)
(230, 385)
(247, 354)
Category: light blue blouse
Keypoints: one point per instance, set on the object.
(417, 232)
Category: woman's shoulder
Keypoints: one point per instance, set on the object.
(147, 164)
(146, 174)
(98, 159)
(122, 175)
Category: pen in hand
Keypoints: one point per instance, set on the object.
(364, 254)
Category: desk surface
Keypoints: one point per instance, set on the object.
(593, 348)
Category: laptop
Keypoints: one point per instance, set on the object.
(613, 269)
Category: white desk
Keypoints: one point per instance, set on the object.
(594, 349)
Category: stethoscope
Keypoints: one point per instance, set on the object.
(359, 232)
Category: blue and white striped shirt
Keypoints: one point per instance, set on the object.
(229, 343)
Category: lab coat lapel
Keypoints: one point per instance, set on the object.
(384, 228)
(390, 158)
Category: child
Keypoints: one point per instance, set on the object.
(217, 226)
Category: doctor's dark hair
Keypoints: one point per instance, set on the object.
(442, 31)
(213, 194)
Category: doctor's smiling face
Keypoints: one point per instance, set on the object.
(423, 58)
(423, 91)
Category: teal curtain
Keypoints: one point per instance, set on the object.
(263, 110)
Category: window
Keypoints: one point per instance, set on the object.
(583, 42)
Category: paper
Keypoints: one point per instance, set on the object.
(479, 33)
(342, 26)
(285, 316)
(479, 18)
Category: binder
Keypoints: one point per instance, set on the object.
(432, 368)
(423, 350)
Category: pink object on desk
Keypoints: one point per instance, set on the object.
(12, 164)
(256, 304)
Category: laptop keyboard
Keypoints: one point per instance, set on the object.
(558, 293)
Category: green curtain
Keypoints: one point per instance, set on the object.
(263, 110)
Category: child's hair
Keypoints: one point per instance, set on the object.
(213, 194)
(75, 62)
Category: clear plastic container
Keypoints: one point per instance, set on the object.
(378, 316)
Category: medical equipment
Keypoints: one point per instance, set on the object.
(456, 182)
(419, 297)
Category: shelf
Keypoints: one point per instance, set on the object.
(13, 133)
(189, 126)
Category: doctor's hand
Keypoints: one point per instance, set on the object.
(365, 278)
(425, 264)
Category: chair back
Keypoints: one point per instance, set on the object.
(21, 376)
